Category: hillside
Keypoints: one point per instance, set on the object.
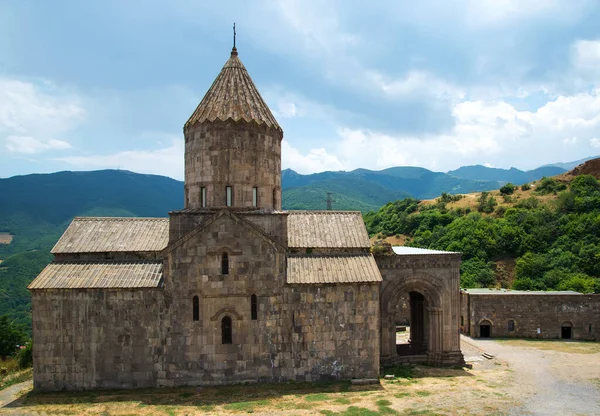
(541, 236)
(418, 182)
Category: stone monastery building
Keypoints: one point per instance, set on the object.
(231, 288)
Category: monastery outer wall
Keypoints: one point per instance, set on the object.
(532, 311)
(237, 154)
(95, 339)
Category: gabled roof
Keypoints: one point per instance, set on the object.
(99, 275)
(103, 234)
(224, 213)
(327, 229)
(233, 96)
(332, 269)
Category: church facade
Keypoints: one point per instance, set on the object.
(232, 289)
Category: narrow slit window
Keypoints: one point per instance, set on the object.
(224, 263)
(203, 197)
(254, 307)
(196, 309)
(254, 196)
(511, 326)
(226, 331)
(275, 198)
(228, 196)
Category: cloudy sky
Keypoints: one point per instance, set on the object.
(435, 83)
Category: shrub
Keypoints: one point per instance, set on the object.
(507, 189)
(550, 186)
(525, 187)
(25, 356)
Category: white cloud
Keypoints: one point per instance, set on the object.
(33, 115)
(587, 54)
(317, 160)
(30, 145)
(495, 12)
(494, 130)
(167, 161)
(413, 83)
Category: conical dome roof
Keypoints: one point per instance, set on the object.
(233, 96)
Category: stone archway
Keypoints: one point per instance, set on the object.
(425, 294)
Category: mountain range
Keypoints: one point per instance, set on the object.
(35, 209)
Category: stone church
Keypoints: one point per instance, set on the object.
(231, 288)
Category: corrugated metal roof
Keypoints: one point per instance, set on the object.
(332, 269)
(99, 275)
(234, 96)
(403, 251)
(99, 235)
(327, 229)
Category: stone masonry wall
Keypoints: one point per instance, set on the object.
(304, 332)
(531, 311)
(237, 154)
(91, 339)
(335, 331)
(195, 352)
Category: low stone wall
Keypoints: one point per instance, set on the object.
(548, 312)
(91, 339)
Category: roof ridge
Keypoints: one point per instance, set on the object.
(106, 261)
(82, 218)
(322, 212)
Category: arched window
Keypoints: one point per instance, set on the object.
(254, 307)
(196, 308)
(224, 263)
(226, 332)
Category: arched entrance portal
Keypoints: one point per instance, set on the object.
(419, 305)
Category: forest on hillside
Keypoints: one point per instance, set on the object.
(555, 245)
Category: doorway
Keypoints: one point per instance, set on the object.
(565, 331)
(485, 329)
(414, 340)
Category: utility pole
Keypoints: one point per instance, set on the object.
(329, 201)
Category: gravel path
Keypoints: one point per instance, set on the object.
(9, 395)
(548, 382)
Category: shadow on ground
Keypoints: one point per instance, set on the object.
(191, 396)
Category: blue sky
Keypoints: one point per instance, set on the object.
(434, 83)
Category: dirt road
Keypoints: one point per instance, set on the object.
(547, 381)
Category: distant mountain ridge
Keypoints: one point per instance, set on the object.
(503, 176)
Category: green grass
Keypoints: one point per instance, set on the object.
(246, 406)
(401, 395)
(342, 400)
(423, 393)
(383, 402)
(318, 397)
(11, 379)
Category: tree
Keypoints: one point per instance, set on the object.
(507, 189)
(11, 335)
